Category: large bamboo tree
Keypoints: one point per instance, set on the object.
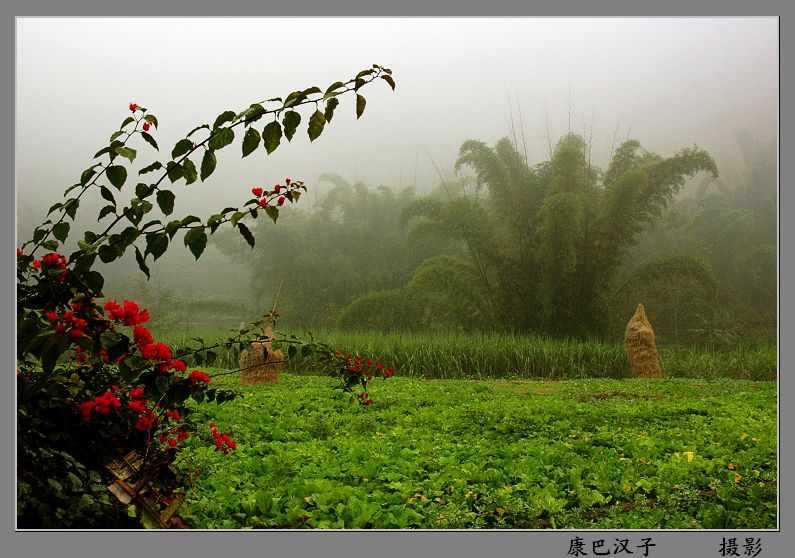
(546, 240)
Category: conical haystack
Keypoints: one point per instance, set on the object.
(260, 364)
(644, 360)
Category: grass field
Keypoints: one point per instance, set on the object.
(678, 453)
(494, 355)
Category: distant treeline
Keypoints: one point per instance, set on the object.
(560, 248)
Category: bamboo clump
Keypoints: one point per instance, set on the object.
(644, 360)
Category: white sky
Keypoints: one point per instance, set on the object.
(672, 82)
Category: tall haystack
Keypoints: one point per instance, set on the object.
(644, 360)
(260, 364)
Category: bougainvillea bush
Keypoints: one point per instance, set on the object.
(92, 381)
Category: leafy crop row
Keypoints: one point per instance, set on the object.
(675, 453)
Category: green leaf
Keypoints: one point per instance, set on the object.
(116, 134)
(150, 140)
(196, 240)
(156, 244)
(291, 121)
(129, 235)
(141, 263)
(162, 383)
(246, 234)
(70, 206)
(128, 152)
(107, 210)
(174, 171)
(272, 212)
(360, 103)
(254, 113)
(142, 190)
(221, 138)
(108, 253)
(271, 136)
(389, 80)
(364, 73)
(197, 128)
(54, 207)
(172, 227)
(182, 147)
(237, 217)
(189, 171)
(331, 104)
(95, 281)
(208, 164)
(189, 220)
(250, 141)
(126, 121)
(311, 90)
(87, 174)
(223, 118)
(107, 194)
(61, 231)
(117, 175)
(334, 86)
(165, 200)
(151, 119)
(153, 167)
(358, 84)
(294, 98)
(316, 123)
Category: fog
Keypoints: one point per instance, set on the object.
(668, 82)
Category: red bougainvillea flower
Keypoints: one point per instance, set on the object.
(133, 107)
(198, 377)
(287, 181)
(76, 333)
(37, 264)
(19, 251)
(281, 200)
(277, 188)
(146, 126)
(256, 191)
(263, 202)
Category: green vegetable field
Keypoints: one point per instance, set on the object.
(676, 453)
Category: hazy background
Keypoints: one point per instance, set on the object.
(669, 82)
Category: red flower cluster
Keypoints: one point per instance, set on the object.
(364, 399)
(257, 192)
(133, 107)
(51, 261)
(68, 322)
(146, 126)
(364, 367)
(222, 441)
(100, 405)
(129, 314)
(198, 377)
(181, 436)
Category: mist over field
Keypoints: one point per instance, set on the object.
(447, 273)
(364, 227)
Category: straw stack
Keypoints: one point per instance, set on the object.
(644, 360)
(260, 364)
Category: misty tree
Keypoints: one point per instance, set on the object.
(350, 244)
(731, 225)
(680, 288)
(546, 240)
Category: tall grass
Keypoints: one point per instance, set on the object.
(500, 355)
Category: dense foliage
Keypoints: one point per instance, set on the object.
(92, 381)
(608, 454)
